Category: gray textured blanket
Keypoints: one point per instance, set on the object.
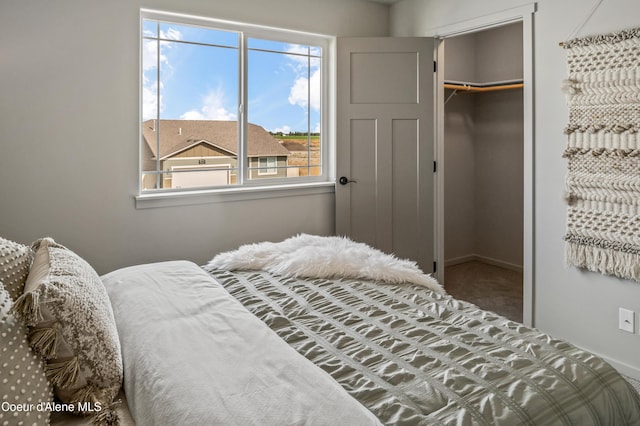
(414, 357)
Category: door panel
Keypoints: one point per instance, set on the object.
(372, 70)
(405, 169)
(385, 145)
(363, 154)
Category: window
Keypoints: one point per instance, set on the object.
(268, 166)
(228, 105)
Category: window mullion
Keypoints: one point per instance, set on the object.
(308, 110)
(243, 159)
(159, 174)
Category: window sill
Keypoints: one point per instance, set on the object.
(184, 198)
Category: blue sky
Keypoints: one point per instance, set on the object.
(200, 82)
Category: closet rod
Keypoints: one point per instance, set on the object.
(469, 88)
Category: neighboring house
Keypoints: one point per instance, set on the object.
(196, 153)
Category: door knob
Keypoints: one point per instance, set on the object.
(345, 180)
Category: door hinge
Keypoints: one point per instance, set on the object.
(435, 167)
(435, 66)
(435, 266)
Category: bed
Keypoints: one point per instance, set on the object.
(325, 331)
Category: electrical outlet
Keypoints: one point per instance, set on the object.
(626, 320)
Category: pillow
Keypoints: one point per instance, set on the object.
(72, 326)
(15, 260)
(23, 384)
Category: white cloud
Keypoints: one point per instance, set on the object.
(149, 100)
(300, 95)
(300, 55)
(212, 109)
(150, 49)
(171, 34)
(150, 58)
(150, 55)
(284, 129)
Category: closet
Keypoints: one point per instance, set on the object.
(483, 168)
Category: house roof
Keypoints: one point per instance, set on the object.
(179, 135)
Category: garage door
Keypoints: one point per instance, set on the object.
(191, 177)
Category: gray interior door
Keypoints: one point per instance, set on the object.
(385, 131)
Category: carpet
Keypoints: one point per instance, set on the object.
(487, 286)
(603, 153)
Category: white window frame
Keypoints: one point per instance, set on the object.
(252, 188)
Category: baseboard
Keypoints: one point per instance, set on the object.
(483, 259)
(625, 369)
(459, 260)
(500, 263)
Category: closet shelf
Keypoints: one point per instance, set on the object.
(483, 87)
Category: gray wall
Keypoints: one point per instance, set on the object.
(499, 175)
(70, 99)
(69, 131)
(569, 303)
(460, 178)
(483, 149)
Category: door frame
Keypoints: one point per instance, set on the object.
(522, 14)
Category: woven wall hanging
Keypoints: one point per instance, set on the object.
(603, 152)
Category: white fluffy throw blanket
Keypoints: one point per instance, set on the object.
(323, 257)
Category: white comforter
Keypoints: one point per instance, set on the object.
(193, 355)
